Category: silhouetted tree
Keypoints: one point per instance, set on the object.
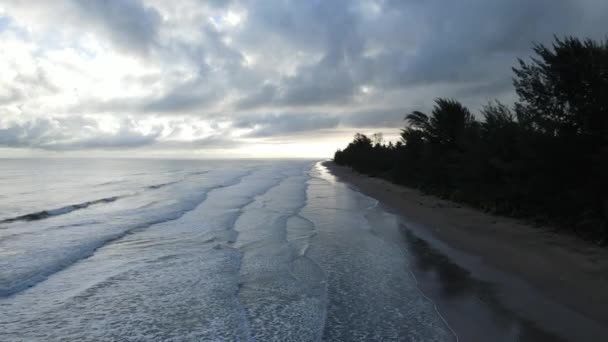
(564, 90)
(545, 159)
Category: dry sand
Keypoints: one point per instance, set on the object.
(555, 281)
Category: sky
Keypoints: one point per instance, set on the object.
(254, 78)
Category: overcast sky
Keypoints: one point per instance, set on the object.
(258, 78)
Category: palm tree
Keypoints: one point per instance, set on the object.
(418, 120)
(449, 120)
(445, 126)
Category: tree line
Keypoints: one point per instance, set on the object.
(545, 158)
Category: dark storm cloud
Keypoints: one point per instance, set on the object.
(73, 134)
(121, 140)
(284, 124)
(66, 134)
(376, 118)
(328, 27)
(321, 84)
(183, 98)
(264, 95)
(130, 24)
(210, 142)
(404, 44)
(34, 133)
(473, 40)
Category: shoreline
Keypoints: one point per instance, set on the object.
(552, 280)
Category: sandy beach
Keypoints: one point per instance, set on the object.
(554, 282)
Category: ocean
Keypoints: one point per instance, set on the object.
(242, 250)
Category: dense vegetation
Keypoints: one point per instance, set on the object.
(544, 158)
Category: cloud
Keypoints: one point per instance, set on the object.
(190, 74)
(10, 95)
(73, 134)
(208, 143)
(375, 118)
(128, 23)
(285, 124)
(264, 95)
(190, 95)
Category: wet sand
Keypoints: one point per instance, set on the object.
(496, 278)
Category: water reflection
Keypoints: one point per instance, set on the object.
(472, 307)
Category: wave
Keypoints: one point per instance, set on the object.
(112, 182)
(88, 249)
(43, 214)
(161, 185)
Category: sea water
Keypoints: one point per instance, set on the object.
(96, 249)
